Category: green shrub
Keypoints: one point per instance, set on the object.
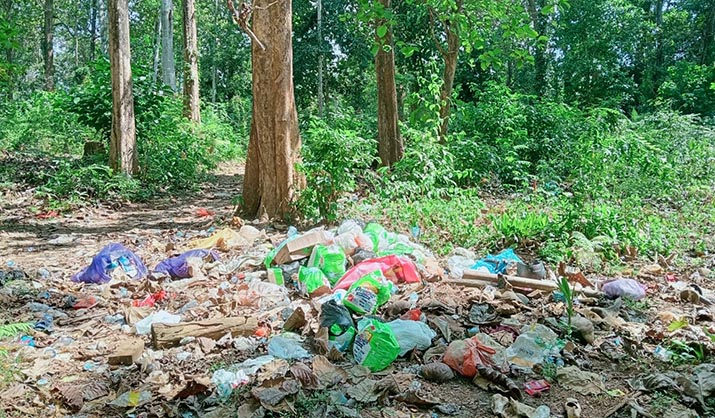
(333, 157)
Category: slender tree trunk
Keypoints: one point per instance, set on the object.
(122, 146)
(321, 97)
(707, 55)
(191, 63)
(389, 144)
(168, 68)
(212, 52)
(48, 45)
(537, 21)
(450, 68)
(157, 47)
(92, 29)
(659, 64)
(271, 181)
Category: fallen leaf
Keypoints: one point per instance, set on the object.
(364, 391)
(306, 376)
(327, 373)
(275, 369)
(295, 321)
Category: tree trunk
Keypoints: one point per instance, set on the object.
(168, 68)
(321, 97)
(271, 180)
(537, 20)
(389, 144)
(92, 29)
(48, 45)
(122, 146)
(707, 55)
(157, 46)
(450, 68)
(212, 52)
(191, 63)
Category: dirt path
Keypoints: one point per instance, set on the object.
(63, 244)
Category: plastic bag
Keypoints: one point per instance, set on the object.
(396, 268)
(341, 329)
(179, 268)
(375, 345)
(311, 279)
(499, 263)
(161, 317)
(381, 239)
(534, 345)
(224, 240)
(269, 295)
(624, 287)
(411, 335)
(457, 264)
(330, 260)
(368, 293)
(463, 356)
(109, 258)
(287, 347)
(350, 226)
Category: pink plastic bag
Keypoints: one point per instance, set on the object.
(396, 268)
(624, 287)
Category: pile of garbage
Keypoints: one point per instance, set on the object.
(363, 315)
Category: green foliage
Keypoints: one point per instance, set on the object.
(567, 292)
(333, 156)
(39, 124)
(76, 182)
(690, 88)
(11, 330)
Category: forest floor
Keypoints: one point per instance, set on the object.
(65, 370)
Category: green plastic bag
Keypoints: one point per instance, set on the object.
(339, 339)
(375, 345)
(311, 279)
(368, 293)
(330, 260)
(275, 275)
(377, 234)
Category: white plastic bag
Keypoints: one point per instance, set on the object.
(411, 335)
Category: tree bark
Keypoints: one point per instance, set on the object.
(450, 68)
(321, 97)
(92, 29)
(191, 63)
(168, 68)
(537, 21)
(707, 55)
(122, 146)
(212, 52)
(271, 181)
(389, 145)
(157, 47)
(48, 45)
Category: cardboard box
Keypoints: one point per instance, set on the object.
(300, 247)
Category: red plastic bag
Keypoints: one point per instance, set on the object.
(464, 355)
(151, 299)
(396, 268)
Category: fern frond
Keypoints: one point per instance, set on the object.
(11, 330)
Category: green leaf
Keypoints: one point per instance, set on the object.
(381, 31)
(678, 324)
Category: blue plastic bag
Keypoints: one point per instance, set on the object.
(178, 267)
(109, 258)
(497, 264)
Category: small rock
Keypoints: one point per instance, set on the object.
(704, 271)
(582, 329)
(437, 372)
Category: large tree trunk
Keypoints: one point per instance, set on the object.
(191, 63)
(48, 45)
(271, 180)
(168, 68)
(321, 97)
(122, 146)
(157, 47)
(389, 144)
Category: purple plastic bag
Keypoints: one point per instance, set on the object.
(178, 267)
(624, 287)
(110, 257)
